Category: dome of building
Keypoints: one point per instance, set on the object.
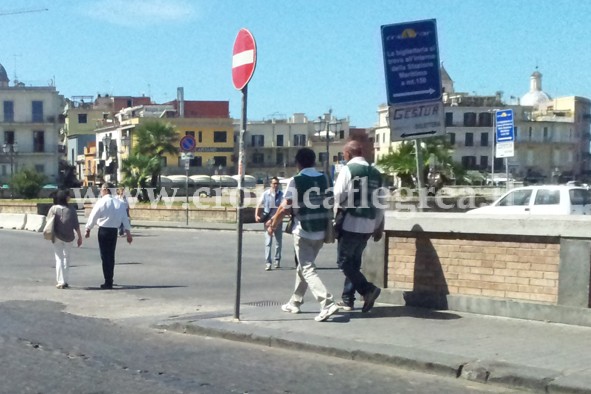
(3, 76)
(536, 97)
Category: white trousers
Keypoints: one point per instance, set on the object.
(306, 276)
(62, 250)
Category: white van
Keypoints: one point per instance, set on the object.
(541, 200)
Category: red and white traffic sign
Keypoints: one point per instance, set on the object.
(244, 59)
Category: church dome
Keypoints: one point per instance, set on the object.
(536, 97)
(3, 76)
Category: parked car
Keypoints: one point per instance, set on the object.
(541, 200)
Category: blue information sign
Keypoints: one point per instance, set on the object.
(411, 62)
(505, 126)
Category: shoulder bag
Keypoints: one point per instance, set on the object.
(48, 232)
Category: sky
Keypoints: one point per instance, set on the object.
(312, 55)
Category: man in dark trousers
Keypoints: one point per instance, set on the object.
(108, 214)
(359, 196)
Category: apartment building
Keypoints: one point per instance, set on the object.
(271, 144)
(551, 135)
(208, 121)
(30, 127)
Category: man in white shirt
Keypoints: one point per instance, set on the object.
(359, 196)
(108, 214)
(269, 202)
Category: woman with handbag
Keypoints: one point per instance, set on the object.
(65, 224)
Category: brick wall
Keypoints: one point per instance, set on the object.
(523, 268)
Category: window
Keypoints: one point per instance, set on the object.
(449, 119)
(518, 197)
(9, 137)
(191, 133)
(280, 140)
(200, 137)
(483, 139)
(342, 134)
(9, 111)
(469, 140)
(515, 133)
(280, 159)
(546, 134)
(470, 119)
(452, 138)
(299, 140)
(469, 162)
(40, 168)
(82, 118)
(257, 140)
(483, 162)
(322, 157)
(220, 136)
(258, 158)
(38, 141)
(547, 197)
(485, 119)
(37, 111)
(579, 196)
(530, 132)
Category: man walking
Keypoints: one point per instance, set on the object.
(306, 194)
(358, 196)
(108, 213)
(269, 201)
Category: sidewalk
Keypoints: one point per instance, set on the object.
(543, 357)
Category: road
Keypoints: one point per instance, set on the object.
(85, 340)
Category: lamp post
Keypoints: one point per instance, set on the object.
(107, 150)
(11, 151)
(324, 128)
(124, 145)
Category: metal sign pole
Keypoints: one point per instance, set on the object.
(187, 160)
(419, 160)
(240, 203)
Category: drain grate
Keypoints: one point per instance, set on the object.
(263, 303)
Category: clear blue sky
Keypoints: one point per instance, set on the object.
(312, 55)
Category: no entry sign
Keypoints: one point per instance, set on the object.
(244, 58)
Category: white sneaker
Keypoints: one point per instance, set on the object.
(328, 312)
(290, 308)
(268, 267)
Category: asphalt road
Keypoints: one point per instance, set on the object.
(86, 340)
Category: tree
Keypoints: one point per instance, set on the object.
(27, 183)
(137, 169)
(155, 139)
(402, 162)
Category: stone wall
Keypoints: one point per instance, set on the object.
(530, 267)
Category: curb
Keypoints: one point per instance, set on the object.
(454, 366)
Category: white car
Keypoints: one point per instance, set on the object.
(541, 200)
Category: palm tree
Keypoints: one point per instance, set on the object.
(403, 161)
(155, 139)
(137, 169)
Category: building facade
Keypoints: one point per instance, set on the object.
(551, 135)
(30, 126)
(271, 145)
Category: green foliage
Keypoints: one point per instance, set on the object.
(137, 169)
(155, 139)
(27, 183)
(402, 162)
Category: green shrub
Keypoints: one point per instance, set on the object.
(27, 183)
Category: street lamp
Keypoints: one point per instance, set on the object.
(327, 128)
(11, 151)
(107, 151)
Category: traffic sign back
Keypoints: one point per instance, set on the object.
(411, 62)
(244, 58)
